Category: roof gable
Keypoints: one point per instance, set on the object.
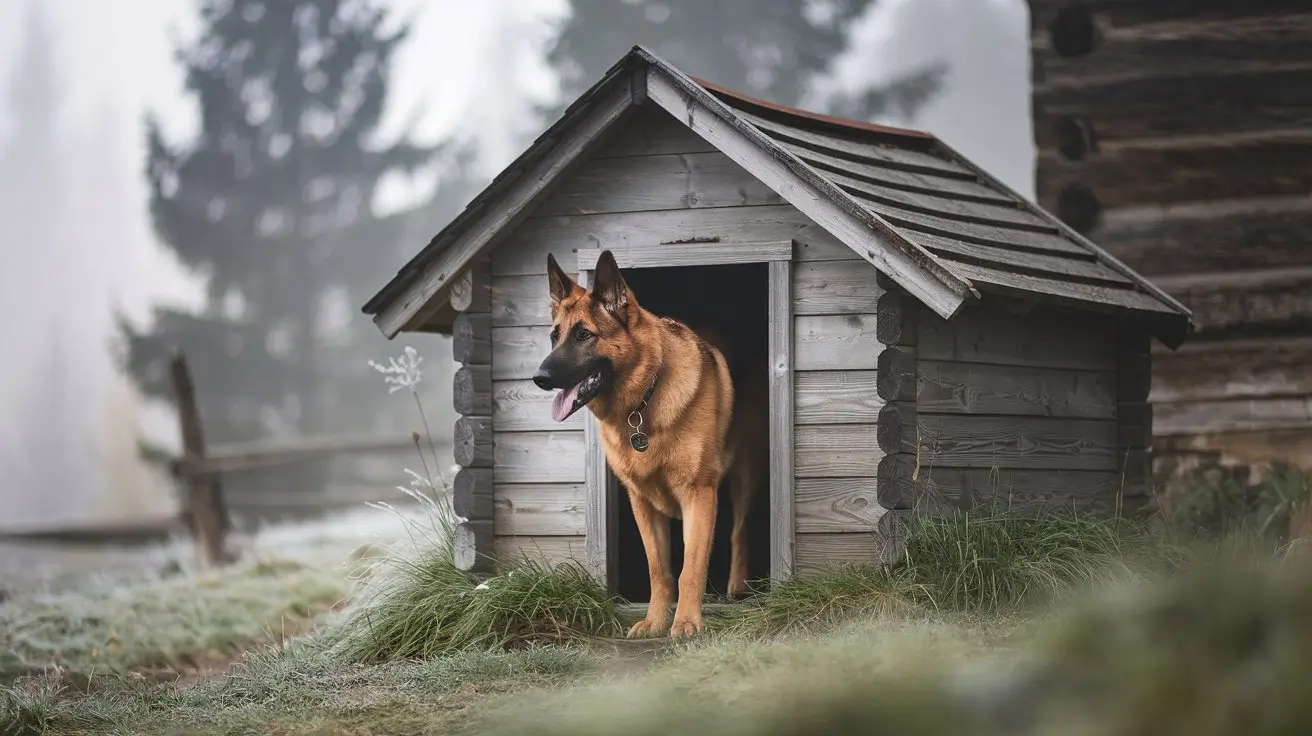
(937, 225)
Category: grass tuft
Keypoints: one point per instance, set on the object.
(1284, 499)
(23, 712)
(422, 606)
(817, 602)
(986, 562)
(995, 560)
(1225, 504)
(429, 608)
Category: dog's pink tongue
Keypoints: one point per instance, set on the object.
(564, 401)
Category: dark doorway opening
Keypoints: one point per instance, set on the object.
(733, 298)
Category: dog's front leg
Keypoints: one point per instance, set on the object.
(698, 535)
(654, 528)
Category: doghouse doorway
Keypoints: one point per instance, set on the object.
(745, 289)
(733, 299)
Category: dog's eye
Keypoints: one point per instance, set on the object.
(555, 335)
(581, 333)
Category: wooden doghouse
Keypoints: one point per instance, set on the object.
(933, 340)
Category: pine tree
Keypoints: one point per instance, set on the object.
(290, 95)
(768, 48)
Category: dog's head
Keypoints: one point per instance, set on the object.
(591, 336)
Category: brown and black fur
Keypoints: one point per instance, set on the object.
(701, 431)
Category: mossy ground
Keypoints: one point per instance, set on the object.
(1000, 625)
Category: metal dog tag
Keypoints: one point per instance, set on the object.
(639, 441)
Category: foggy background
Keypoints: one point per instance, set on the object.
(81, 413)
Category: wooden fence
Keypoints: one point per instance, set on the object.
(205, 511)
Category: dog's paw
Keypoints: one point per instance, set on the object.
(685, 627)
(646, 628)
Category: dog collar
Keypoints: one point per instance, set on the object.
(639, 441)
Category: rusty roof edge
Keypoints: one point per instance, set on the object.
(412, 269)
(1102, 255)
(920, 257)
(827, 121)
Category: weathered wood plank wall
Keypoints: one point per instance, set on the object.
(836, 406)
(654, 181)
(1178, 136)
(1012, 409)
(538, 491)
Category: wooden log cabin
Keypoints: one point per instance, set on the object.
(932, 340)
(1178, 135)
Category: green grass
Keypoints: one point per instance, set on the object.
(817, 602)
(172, 622)
(944, 644)
(535, 662)
(427, 608)
(1224, 503)
(1223, 648)
(1215, 651)
(994, 560)
(416, 603)
(731, 685)
(986, 562)
(295, 690)
(1283, 494)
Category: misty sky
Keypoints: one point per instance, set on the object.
(117, 64)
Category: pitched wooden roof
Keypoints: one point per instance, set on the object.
(931, 220)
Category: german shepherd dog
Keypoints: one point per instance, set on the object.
(671, 424)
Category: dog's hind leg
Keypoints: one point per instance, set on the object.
(654, 528)
(742, 484)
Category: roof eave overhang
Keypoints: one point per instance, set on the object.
(913, 268)
(1171, 327)
(421, 287)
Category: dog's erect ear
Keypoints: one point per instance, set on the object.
(609, 288)
(559, 282)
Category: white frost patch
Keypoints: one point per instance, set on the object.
(326, 541)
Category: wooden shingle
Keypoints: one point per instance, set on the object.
(936, 224)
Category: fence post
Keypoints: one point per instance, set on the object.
(205, 513)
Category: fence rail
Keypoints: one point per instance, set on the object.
(233, 458)
(205, 510)
(126, 532)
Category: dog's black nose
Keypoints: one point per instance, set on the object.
(544, 379)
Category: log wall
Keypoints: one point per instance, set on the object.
(1178, 136)
(473, 449)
